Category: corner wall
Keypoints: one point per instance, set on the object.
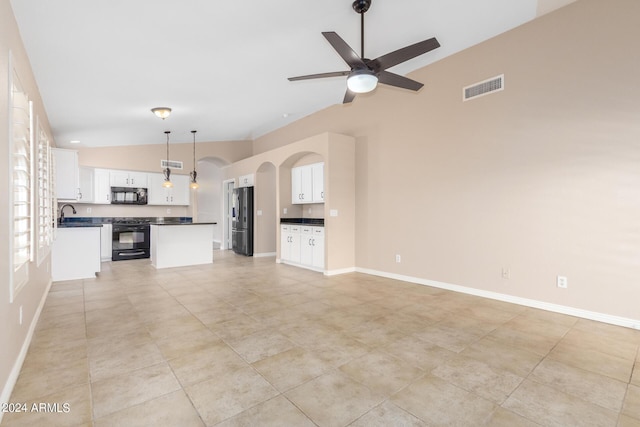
(542, 178)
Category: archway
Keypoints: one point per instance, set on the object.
(208, 200)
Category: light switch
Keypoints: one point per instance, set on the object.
(333, 212)
(259, 212)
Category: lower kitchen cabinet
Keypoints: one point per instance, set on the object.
(302, 245)
(290, 243)
(312, 246)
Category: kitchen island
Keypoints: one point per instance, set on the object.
(179, 245)
(75, 253)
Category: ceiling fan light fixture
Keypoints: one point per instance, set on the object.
(161, 112)
(362, 81)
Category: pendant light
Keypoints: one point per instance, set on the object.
(194, 174)
(167, 172)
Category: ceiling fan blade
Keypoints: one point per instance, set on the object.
(343, 49)
(319, 76)
(398, 56)
(396, 80)
(348, 97)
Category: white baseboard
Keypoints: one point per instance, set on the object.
(571, 311)
(264, 254)
(340, 271)
(17, 366)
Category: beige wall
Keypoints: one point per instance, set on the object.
(542, 178)
(14, 335)
(337, 151)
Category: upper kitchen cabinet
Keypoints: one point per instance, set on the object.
(102, 186)
(128, 179)
(67, 174)
(86, 193)
(307, 184)
(317, 180)
(176, 195)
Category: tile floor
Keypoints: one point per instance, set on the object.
(247, 342)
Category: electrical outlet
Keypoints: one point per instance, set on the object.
(562, 282)
(506, 273)
(398, 258)
(284, 211)
(88, 210)
(168, 210)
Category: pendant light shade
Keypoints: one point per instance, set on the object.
(194, 174)
(167, 172)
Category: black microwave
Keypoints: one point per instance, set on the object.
(128, 196)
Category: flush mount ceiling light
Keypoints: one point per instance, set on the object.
(167, 172)
(162, 112)
(194, 174)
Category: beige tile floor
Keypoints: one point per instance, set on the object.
(247, 342)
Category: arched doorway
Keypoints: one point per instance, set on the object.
(209, 197)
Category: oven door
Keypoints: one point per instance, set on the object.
(130, 242)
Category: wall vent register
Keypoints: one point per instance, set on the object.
(485, 87)
(173, 164)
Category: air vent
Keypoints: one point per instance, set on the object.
(172, 164)
(494, 84)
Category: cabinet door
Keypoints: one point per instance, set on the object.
(138, 179)
(285, 248)
(66, 165)
(317, 172)
(106, 242)
(295, 243)
(102, 187)
(85, 195)
(306, 246)
(179, 193)
(318, 247)
(301, 185)
(119, 178)
(156, 193)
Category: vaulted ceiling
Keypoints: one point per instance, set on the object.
(222, 66)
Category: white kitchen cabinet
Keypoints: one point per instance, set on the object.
(75, 253)
(302, 245)
(312, 247)
(86, 193)
(106, 242)
(307, 184)
(317, 182)
(290, 243)
(246, 180)
(102, 186)
(177, 195)
(301, 185)
(128, 179)
(67, 174)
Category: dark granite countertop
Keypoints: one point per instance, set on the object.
(183, 223)
(78, 225)
(78, 220)
(303, 221)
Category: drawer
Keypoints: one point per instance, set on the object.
(318, 231)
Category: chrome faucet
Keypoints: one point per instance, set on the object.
(61, 219)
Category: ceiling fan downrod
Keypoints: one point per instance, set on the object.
(361, 6)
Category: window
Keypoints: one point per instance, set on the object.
(21, 197)
(46, 215)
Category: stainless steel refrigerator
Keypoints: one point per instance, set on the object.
(242, 221)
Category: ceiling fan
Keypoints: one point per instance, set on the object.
(365, 73)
